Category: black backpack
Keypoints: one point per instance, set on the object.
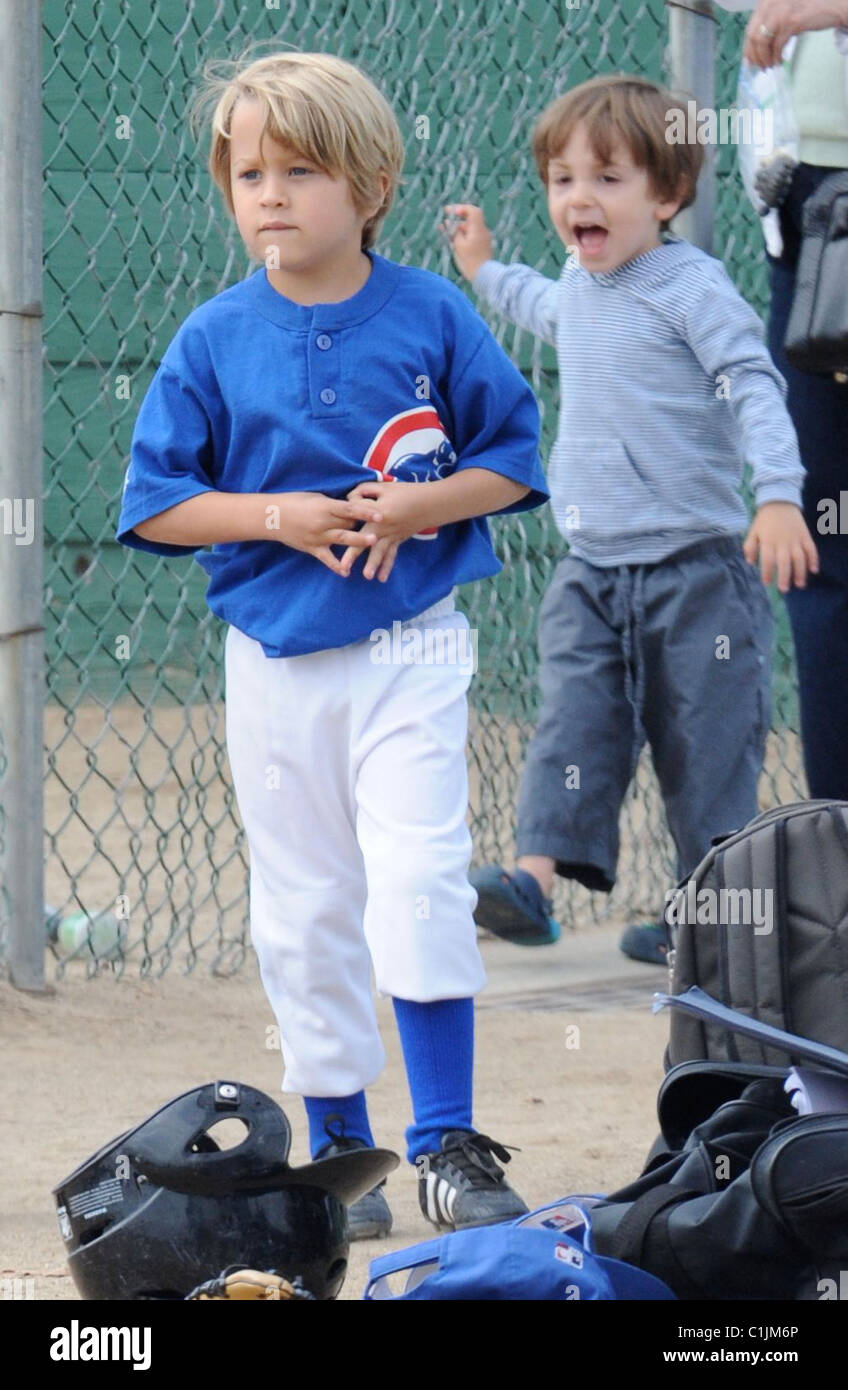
(740, 1197)
(762, 926)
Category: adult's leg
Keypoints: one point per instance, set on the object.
(818, 613)
(819, 618)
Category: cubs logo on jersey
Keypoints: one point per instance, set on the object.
(412, 447)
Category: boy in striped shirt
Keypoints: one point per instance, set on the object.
(656, 625)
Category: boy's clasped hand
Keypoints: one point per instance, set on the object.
(400, 516)
(390, 512)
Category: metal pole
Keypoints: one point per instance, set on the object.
(691, 72)
(21, 522)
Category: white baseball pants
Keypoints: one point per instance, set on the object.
(352, 784)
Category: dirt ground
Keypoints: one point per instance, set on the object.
(138, 802)
(96, 1057)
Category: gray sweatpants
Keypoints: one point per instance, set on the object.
(678, 653)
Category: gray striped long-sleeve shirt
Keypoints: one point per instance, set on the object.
(666, 390)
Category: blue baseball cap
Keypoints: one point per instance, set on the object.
(513, 1262)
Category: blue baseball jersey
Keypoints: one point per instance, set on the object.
(259, 394)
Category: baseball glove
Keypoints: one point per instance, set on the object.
(239, 1283)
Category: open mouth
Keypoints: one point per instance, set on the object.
(592, 238)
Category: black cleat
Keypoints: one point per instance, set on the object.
(463, 1186)
(370, 1215)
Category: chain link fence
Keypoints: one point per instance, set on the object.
(141, 819)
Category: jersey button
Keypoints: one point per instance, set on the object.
(328, 395)
(324, 341)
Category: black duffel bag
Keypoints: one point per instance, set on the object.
(742, 1199)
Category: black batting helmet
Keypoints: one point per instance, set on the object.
(162, 1208)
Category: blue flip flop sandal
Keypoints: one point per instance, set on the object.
(513, 907)
(647, 942)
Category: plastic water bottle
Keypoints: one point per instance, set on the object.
(103, 935)
(768, 96)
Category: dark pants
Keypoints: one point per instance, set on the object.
(818, 614)
(676, 653)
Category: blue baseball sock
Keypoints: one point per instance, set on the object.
(438, 1048)
(353, 1124)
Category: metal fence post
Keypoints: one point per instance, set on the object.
(21, 518)
(691, 71)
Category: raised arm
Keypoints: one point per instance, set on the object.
(523, 295)
(773, 22)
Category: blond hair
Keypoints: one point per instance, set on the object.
(320, 106)
(634, 111)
